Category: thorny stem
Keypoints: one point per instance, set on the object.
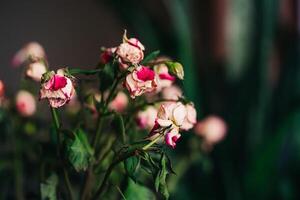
(66, 176)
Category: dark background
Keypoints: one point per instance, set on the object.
(241, 61)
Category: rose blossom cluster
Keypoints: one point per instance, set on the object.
(170, 117)
(164, 120)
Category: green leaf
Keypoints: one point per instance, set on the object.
(136, 191)
(48, 189)
(132, 165)
(118, 123)
(160, 179)
(79, 152)
(106, 76)
(150, 57)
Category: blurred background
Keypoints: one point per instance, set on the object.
(241, 62)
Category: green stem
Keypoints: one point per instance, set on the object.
(84, 71)
(112, 91)
(66, 176)
(89, 174)
(113, 164)
(147, 146)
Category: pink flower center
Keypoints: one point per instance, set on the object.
(145, 74)
(166, 76)
(58, 82)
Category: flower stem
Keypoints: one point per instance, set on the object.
(113, 164)
(147, 146)
(86, 190)
(65, 173)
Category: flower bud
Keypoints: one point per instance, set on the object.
(176, 69)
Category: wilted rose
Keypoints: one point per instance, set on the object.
(141, 80)
(25, 103)
(173, 113)
(57, 88)
(130, 52)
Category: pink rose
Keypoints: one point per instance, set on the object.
(25, 103)
(164, 78)
(191, 117)
(171, 114)
(2, 89)
(36, 70)
(141, 80)
(57, 88)
(171, 93)
(170, 118)
(32, 49)
(130, 52)
(213, 129)
(119, 103)
(146, 118)
(107, 55)
(172, 137)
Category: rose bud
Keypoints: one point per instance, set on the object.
(57, 88)
(130, 52)
(176, 69)
(191, 117)
(146, 118)
(25, 103)
(35, 71)
(172, 137)
(141, 80)
(164, 78)
(32, 49)
(171, 93)
(119, 103)
(2, 89)
(107, 55)
(213, 129)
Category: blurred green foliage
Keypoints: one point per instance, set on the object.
(260, 156)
